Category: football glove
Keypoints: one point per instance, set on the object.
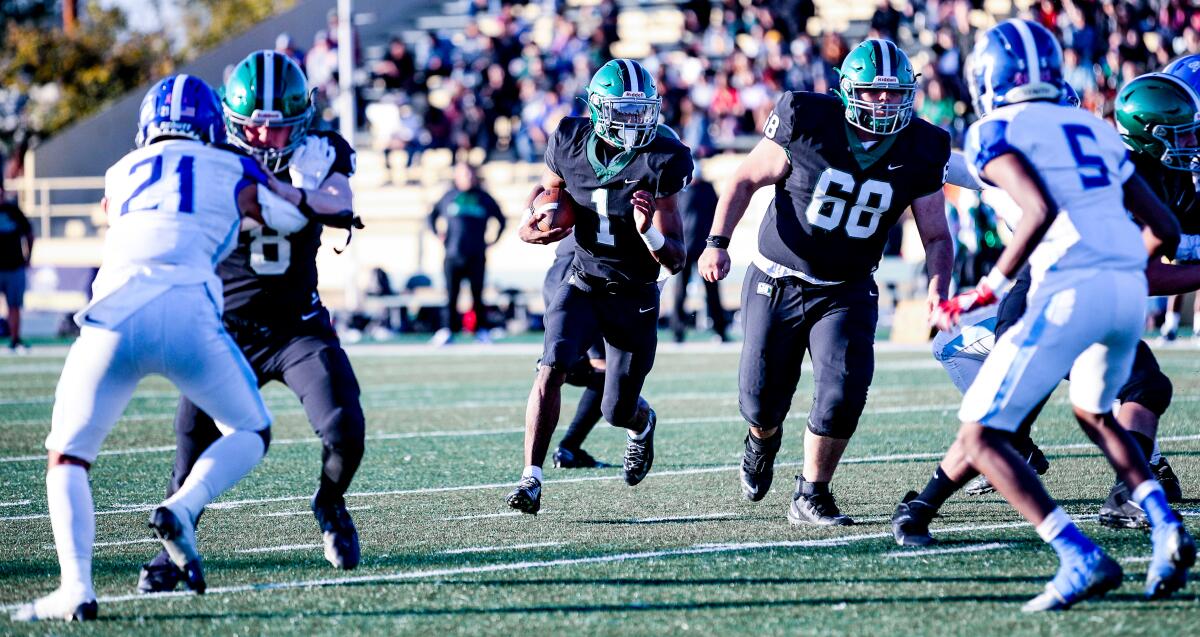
(311, 162)
(946, 315)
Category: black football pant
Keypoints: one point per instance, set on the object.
(835, 324)
(712, 293)
(626, 317)
(458, 269)
(315, 367)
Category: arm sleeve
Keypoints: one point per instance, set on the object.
(781, 123)
(959, 174)
(436, 213)
(494, 211)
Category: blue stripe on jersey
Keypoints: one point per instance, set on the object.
(992, 138)
(957, 343)
(229, 238)
(251, 170)
(1019, 363)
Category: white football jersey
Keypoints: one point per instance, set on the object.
(1083, 164)
(173, 215)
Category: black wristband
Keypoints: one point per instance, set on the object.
(717, 241)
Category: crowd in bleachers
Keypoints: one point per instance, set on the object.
(504, 87)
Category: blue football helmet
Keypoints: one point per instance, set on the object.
(1186, 68)
(1070, 97)
(1015, 61)
(180, 106)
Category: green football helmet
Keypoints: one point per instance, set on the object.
(1157, 114)
(267, 88)
(877, 65)
(623, 102)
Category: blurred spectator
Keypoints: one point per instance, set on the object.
(885, 22)
(398, 68)
(16, 247)
(285, 45)
(697, 206)
(466, 209)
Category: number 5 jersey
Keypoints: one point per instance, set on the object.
(831, 214)
(271, 277)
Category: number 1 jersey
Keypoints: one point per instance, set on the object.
(271, 277)
(832, 212)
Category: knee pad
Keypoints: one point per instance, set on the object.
(617, 412)
(835, 412)
(342, 428)
(1151, 390)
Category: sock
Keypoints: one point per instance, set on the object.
(1150, 496)
(642, 435)
(73, 518)
(221, 466)
(532, 471)
(1063, 536)
(1155, 454)
(939, 489)
(1170, 323)
(587, 414)
(813, 488)
(1144, 442)
(767, 444)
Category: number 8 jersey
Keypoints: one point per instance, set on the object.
(831, 214)
(1083, 163)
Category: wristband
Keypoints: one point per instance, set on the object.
(654, 239)
(717, 241)
(302, 205)
(996, 281)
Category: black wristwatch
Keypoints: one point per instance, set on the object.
(717, 241)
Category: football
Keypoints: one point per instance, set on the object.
(558, 207)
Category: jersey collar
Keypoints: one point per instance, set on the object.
(614, 167)
(866, 157)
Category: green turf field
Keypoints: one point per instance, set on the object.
(680, 553)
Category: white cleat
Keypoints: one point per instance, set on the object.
(57, 606)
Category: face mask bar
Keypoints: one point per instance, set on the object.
(275, 159)
(631, 121)
(1175, 155)
(879, 118)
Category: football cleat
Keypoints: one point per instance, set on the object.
(527, 497)
(1092, 575)
(1174, 554)
(818, 509)
(980, 485)
(57, 606)
(577, 459)
(159, 575)
(758, 465)
(1121, 512)
(639, 454)
(338, 532)
(910, 522)
(178, 536)
(1169, 481)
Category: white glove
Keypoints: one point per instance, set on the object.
(311, 162)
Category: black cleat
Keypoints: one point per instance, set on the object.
(639, 454)
(179, 539)
(1121, 512)
(817, 509)
(576, 459)
(910, 522)
(527, 497)
(980, 485)
(758, 465)
(159, 575)
(1169, 481)
(337, 532)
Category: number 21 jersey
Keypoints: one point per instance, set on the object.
(832, 212)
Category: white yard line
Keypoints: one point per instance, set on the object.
(481, 516)
(683, 518)
(700, 549)
(280, 549)
(281, 514)
(17, 503)
(510, 547)
(232, 504)
(145, 540)
(974, 548)
(1135, 560)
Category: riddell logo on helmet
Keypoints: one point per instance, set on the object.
(886, 79)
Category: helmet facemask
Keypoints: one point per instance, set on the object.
(1181, 145)
(275, 159)
(878, 117)
(627, 122)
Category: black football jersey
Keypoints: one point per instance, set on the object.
(831, 214)
(607, 240)
(1174, 187)
(274, 277)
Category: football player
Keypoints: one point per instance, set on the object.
(272, 309)
(623, 171)
(844, 169)
(1071, 177)
(156, 309)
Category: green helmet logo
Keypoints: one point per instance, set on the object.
(267, 89)
(1156, 114)
(623, 102)
(877, 66)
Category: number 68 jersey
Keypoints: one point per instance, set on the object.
(832, 212)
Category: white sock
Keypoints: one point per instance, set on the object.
(220, 467)
(73, 518)
(532, 471)
(1054, 524)
(1170, 322)
(1156, 454)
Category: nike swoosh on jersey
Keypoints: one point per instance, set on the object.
(891, 167)
(310, 315)
(631, 181)
(643, 311)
